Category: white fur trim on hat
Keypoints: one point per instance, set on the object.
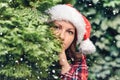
(87, 47)
(67, 13)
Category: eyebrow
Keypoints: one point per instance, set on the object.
(61, 26)
(72, 29)
(58, 25)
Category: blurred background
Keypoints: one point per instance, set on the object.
(104, 16)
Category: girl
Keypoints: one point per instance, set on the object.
(74, 30)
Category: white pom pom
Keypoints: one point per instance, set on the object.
(87, 47)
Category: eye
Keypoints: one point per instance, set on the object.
(71, 32)
(56, 27)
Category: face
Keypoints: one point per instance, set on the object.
(66, 31)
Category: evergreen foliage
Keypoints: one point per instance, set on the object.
(104, 16)
(27, 45)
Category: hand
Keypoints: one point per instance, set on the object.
(63, 62)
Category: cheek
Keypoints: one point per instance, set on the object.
(68, 42)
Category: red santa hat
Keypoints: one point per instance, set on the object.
(82, 25)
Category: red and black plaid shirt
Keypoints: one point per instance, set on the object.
(78, 71)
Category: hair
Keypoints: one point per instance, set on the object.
(72, 52)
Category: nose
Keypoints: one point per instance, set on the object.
(62, 35)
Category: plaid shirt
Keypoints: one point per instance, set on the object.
(78, 71)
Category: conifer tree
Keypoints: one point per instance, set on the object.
(27, 45)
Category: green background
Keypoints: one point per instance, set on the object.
(104, 16)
